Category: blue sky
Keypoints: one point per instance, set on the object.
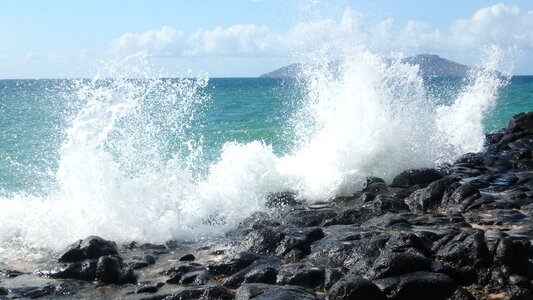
(50, 39)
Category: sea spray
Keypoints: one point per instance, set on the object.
(129, 165)
(116, 175)
(460, 124)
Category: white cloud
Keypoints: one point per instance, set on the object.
(165, 41)
(500, 24)
(234, 40)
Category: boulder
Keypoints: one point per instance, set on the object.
(355, 287)
(309, 217)
(260, 291)
(422, 285)
(429, 198)
(109, 269)
(415, 176)
(90, 248)
(304, 275)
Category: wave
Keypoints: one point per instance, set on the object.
(128, 168)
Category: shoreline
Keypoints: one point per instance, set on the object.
(461, 232)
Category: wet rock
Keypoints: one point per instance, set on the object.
(260, 291)
(464, 254)
(282, 199)
(332, 275)
(336, 249)
(233, 263)
(146, 261)
(10, 273)
(355, 216)
(390, 264)
(265, 274)
(376, 188)
(187, 257)
(402, 193)
(149, 289)
(300, 239)
(493, 138)
(300, 274)
(507, 215)
(262, 240)
(409, 242)
(515, 254)
(415, 176)
(109, 269)
(365, 253)
(364, 198)
(458, 197)
(176, 273)
(85, 270)
(429, 198)
(521, 122)
(355, 287)
(196, 277)
(309, 217)
(386, 203)
(50, 290)
(256, 221)
(203, 292)
(388, 221)
(3, 291)
(423, 285)
(263, 270)
(461, 294)
(470, 160)
(509, 137)
(522, 143)
(373, 179)
(90, 248)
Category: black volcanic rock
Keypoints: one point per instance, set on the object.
(412, 177)
(355, 287)
(260, 291)
(90, 248)
(467, 235)
(428, 198)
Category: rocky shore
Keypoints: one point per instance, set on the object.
(462, 231)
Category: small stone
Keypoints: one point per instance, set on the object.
(187, 257)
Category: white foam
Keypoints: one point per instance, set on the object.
(370, 117)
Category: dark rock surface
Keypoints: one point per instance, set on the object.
(462, 231)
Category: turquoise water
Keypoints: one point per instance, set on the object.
(34, 115)
(151, 160)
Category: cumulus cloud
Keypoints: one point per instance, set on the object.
(165, 41)
(502, 24)
(234, 40)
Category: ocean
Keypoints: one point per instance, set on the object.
(168, 158)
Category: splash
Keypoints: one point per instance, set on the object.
(128, 168)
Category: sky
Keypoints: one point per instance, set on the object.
(245, 38)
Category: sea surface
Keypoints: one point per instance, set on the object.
(156, 159)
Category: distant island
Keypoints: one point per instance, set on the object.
(431, 65)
